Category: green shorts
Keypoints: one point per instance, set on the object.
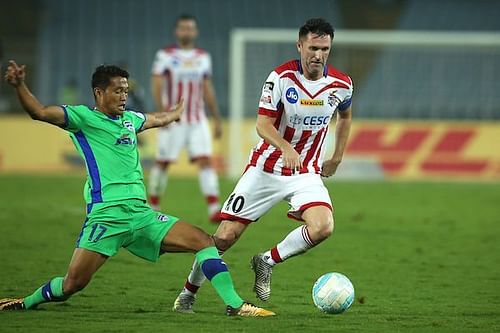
(131, 224)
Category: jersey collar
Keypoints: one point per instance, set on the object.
(106, 115)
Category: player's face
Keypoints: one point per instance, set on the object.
(314, 51)
(113, 99)
(186, 32)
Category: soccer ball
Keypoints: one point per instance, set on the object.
(333, 293)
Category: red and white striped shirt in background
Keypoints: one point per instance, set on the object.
(184, 72)
(303, 109)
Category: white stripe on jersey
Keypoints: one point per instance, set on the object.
(184, 72)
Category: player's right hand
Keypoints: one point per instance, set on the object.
(291, 159)
(15, 74)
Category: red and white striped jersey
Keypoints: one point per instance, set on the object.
(184, 72)
(303, 109)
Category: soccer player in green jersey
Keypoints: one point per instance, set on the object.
(117, 213)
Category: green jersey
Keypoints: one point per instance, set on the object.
(109, 147)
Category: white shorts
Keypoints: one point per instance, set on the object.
(173, 138)
(257, 191)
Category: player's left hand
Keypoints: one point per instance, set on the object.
(177, 110)
(217, 129)
(329, 167)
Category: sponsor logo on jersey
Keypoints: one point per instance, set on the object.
(125, 139)
(191, 63)
(128, 125)
(192, 75)
(291, 95)
(333, 100)
(268, 86)
(316, 120)
(312, 102)
(310, 121)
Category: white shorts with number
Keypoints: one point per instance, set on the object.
(173, 138)
(257, 191)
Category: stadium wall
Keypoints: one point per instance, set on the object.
(380, 150)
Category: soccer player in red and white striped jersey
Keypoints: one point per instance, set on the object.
(298, 100)
(184, 71)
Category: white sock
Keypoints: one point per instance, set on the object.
(209, 185)
(158, 179)
(296, 242)
(195, 279)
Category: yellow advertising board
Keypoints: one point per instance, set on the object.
(395, 149)
(32, 146)
(429, 150)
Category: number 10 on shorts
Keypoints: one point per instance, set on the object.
(236, 204)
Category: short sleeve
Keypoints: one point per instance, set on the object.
(138, 119)
(271, 96)
(74, 117)
(159, 63)
(207, 73)
(346, 103)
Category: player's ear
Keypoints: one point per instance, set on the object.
(298, 45)
(97, 92)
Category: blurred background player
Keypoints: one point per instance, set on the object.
(298, 100)
(184, 71)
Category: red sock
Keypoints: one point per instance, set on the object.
(154, 200)
(275, 255)
(212, 199)
(191, 287)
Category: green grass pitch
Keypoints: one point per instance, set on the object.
(423, 257)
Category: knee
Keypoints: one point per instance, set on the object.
(224, 240)
(74, 283)
(322, 229)
(206, 241)
(162, 165)
(204, 162)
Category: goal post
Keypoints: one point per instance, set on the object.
(386, 67)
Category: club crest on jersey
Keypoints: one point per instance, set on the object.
(128, 125)
(125, 139)
(311, 102)
(292, 96)
(333, 100)
(295, 120)
(162, 218)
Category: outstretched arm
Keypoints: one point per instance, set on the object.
(163, 118)
(342, 130)
(211, 100)
(15, 76)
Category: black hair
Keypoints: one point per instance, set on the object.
(103, 74)
(318, 26)
(185, 17)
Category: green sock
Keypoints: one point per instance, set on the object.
(52, 291)
(216, 271)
